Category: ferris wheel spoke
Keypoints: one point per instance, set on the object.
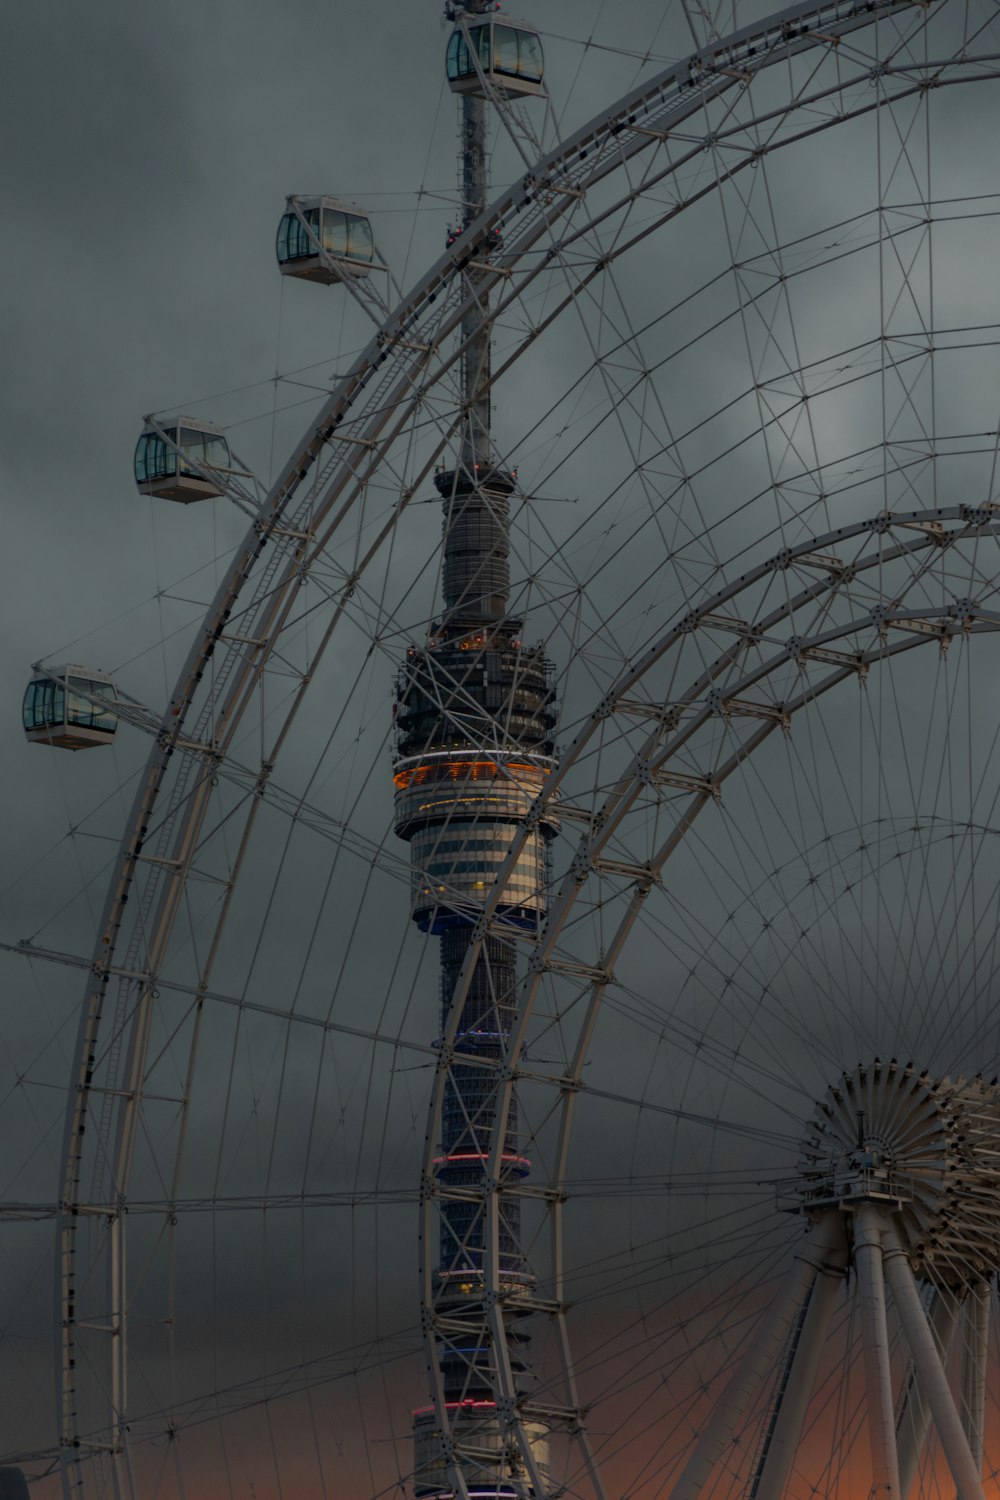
(772, 349)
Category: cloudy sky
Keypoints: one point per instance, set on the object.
(150, 151)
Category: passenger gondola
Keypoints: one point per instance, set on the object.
(56, 712)
(509, 54)
(324, 240)
(166, 455)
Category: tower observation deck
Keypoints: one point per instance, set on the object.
(475, 717)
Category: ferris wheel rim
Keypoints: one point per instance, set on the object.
(176, 716)
(514, 1411)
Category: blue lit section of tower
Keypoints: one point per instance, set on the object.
(475, 716)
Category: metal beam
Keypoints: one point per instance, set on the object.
(914, 1413)
(784, 1435)
(763, 1355)
(975, 1353)
(931, 1377)
(875, 1347)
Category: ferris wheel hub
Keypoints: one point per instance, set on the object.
(921, 1149)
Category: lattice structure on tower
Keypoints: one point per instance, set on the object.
(475, 718)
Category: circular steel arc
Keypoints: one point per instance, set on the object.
(928, 537)
(534, 206)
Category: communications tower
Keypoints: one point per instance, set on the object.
(475, 716)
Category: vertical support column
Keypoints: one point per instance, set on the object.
(875, 1345)
(785, 1432)
(931, 1377)
(975, 1352)
(915, 1416)
(763, 1355)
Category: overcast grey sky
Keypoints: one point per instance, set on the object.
(149, 150)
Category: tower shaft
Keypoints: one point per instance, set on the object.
(476, 447)
(474, 722)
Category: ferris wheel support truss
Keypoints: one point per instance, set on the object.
(757, 684)
(931, 1377)
(818, 1269)
(896, 1443)
(798, 1379)
(914, 1417)
(407, 363)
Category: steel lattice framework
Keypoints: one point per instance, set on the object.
(743, 683)
(757, 665)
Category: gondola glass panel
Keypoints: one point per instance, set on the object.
(161, 472)
(509, 53)
(530, 66)
(57, 713)
(294, 242)
(505, 51)
(360, 241)
(457, 60)
(343, 231)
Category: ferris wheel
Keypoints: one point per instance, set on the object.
(655, 1156)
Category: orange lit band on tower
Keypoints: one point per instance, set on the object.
(459, 810)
